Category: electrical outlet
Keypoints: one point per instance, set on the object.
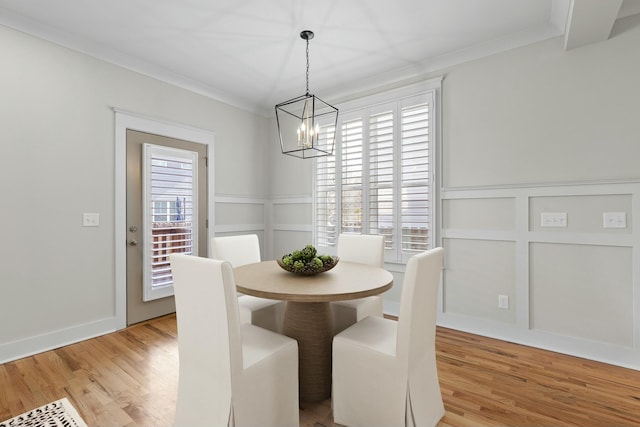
(614, 220)
(90, 220)
(554, 219)
(503, 301)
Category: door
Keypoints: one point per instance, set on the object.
(138, 309)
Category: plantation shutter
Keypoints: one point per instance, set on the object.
(170, 214)
(379, 181)
(351, 185)
(414, 215)
(381, 177)
(326, 194)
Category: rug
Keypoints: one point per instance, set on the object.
(60, 413)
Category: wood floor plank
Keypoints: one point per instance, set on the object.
(130, 378)
(544, 388)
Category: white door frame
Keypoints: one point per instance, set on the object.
(126, 120)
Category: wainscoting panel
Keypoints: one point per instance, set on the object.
(583, 291)
(231, 213)
(475, 273)
(480, 214)
(573, 289)
(584, 213)
(292, 213)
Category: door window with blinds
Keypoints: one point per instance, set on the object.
(169, 214)
(379, 181)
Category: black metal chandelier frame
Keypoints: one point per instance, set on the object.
(305, 113)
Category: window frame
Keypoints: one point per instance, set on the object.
(152, 152)
(367, 107)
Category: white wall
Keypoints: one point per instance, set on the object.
(541, 114)
(57, 161)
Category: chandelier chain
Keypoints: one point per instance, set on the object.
(307, 66)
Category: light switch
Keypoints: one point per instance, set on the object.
(614, 220)
(554, 219)
(90, 219)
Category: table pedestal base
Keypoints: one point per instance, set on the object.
(311, 324)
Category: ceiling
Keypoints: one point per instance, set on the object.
(248, 53)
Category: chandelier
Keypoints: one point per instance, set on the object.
(306, 124)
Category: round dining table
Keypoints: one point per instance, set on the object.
(308, 317)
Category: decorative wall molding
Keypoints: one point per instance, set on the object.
(240, 228)
(241, 200)
(292, 227)
(527, 232)
(285, 200)
(541, 186)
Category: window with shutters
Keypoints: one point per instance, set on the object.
(351, 182)
(379, 180)
(169, 214)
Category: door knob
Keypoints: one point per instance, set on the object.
(133, 229)
(133, 243)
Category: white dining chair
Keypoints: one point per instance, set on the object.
(364, 249)
(245, 249)
(230, 374)
(384, 372)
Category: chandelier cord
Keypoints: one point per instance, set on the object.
(307, 66)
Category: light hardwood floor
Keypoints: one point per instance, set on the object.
(129, 378)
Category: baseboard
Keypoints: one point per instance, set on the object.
(39, 343)
(611, 354)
